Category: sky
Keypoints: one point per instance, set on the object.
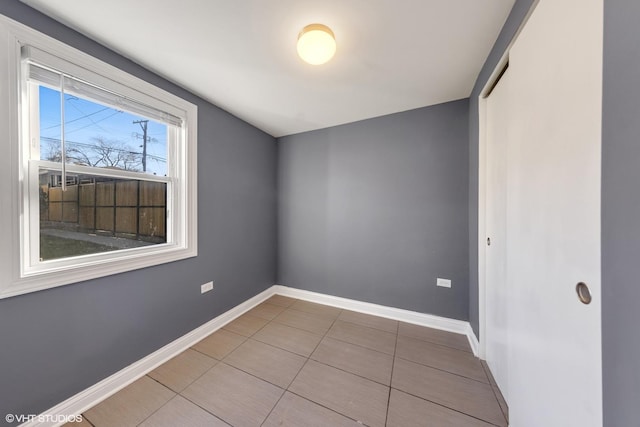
(85, 121)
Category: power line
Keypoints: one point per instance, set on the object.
(96, 124)
(79, 118)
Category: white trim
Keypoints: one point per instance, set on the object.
(421, 319)
(482, 232)
(473, 342)
(98, 392)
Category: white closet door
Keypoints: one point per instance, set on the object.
(553, 216)
(496, 303)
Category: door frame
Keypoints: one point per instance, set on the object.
(482, 183)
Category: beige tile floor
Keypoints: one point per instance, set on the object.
(294, 363)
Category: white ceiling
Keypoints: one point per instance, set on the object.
(393, 55)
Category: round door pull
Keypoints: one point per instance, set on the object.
(584, 295)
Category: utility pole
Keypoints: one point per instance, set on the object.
(143, 124)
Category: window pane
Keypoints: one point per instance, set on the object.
(99, 214)
(100, 136)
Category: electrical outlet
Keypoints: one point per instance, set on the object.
(206, 287)
(445, 283)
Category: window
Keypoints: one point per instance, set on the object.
(106, 167)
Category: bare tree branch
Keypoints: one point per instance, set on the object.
(101, 153)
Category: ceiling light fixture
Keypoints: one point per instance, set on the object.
(316, 44)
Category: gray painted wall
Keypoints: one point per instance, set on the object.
(621, 213)
(58, 342)
(517, 15)
(376, 210)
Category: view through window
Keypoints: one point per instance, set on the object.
(94, 212)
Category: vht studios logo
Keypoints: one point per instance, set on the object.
(43, 418)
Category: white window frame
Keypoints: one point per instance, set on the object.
(21, 268)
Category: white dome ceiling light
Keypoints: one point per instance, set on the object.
(316, 44)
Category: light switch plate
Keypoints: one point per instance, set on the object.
(445, 283)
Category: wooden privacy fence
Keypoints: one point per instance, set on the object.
(126, 208)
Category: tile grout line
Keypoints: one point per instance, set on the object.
(195, 403)
(314, 349)
(218, 361)
(321, 339)
(338, 339)
(444, 370)
(354, 323)
(270, 345)
(316, 315)
(151, 414)
(259, 329)
(358, 345)
(447, 407)
(325, 335)
(345, 321)
(310, 357)
(504, 415)
(179, 393)
(254, 376)
(351, 373)
(393, 365)
(298, 373)
(368, 327)
(206, 410)
(342, 370)
(311, 354)
(210, 356)
(250, 315)
(438, 344)
(284, 349)
(280, 322)
(291, 307)
(494, 391)
(276, 347)
(161, 406)
(247, 339)
(87, 419)
(326, 407)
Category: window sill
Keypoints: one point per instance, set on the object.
(37, 281)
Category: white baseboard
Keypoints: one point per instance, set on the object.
(473, 341)
(422, 319)
(97, 393)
